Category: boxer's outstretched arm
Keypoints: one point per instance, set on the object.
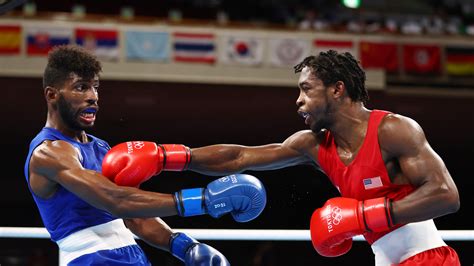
(224, 159)
(436, 194)
(57, 162)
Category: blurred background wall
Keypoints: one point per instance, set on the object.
(160, 99)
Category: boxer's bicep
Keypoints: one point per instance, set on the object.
(422, 165)
(412, 151)
(435, 194)
(46, 161)
(425, 170)
(52, 158)
(404, 139)
(57, 162)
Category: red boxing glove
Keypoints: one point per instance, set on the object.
(333, 225)
(134, 162)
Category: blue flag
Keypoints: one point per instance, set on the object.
(147, 45)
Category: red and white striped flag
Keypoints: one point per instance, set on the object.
(337, 45)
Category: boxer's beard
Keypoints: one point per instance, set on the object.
(325, 120)
(66, 112)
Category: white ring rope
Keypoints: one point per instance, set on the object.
(231, 234)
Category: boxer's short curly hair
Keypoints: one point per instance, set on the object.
(64, 60)
(332, 66)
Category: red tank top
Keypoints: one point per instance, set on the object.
(366, 177)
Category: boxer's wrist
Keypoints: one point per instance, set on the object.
(377, 214)
(176, 157)
(180, 243)
(189, 202)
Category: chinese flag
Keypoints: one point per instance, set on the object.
(421, 59)
(379, 55)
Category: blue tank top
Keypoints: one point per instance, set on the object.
(64, 213)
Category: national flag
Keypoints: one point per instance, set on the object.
(459, 60)
(241, 50)
(194, 47)
(147, 45)
(421, 59)
(10, 39)
(339, 46)
(381, 55)
(41, 39)
(103, 42)
(285, 52)
(370, 183)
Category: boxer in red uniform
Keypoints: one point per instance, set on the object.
(391, 181)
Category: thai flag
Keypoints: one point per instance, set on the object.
(194, 47)
(374, 182)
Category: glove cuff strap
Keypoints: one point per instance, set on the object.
(180, 243)
(189, 202)
(177, 157)
(378, 214)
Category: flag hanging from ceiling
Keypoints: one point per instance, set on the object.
(241, 50)
(103, 43)
(340, 46)
(10, 39)
(286, 52)
(147, 45)
(382, 55)
(194, 47)
(41, 39)
(459, 60)
(421, 59)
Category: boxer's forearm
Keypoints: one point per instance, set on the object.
(121, 201)
(220, 159)
(429, 201)
(227, 159)
(142, 204)
(153, 231)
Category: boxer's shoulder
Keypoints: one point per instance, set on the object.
(52, 153)
(398, 134)
(302, 140)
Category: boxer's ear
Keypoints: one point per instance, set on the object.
(51, 93)
(338, 90)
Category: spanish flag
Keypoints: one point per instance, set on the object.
(459, 60)
(10, 38)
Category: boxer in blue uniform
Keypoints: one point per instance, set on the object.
(92, 219)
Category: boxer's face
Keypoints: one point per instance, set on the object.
(77, 102)
(313, 104)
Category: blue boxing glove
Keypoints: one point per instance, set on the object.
(242, 195)
(191, 252)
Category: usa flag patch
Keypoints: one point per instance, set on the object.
(374, 182)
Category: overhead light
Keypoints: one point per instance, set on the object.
(351, 3)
